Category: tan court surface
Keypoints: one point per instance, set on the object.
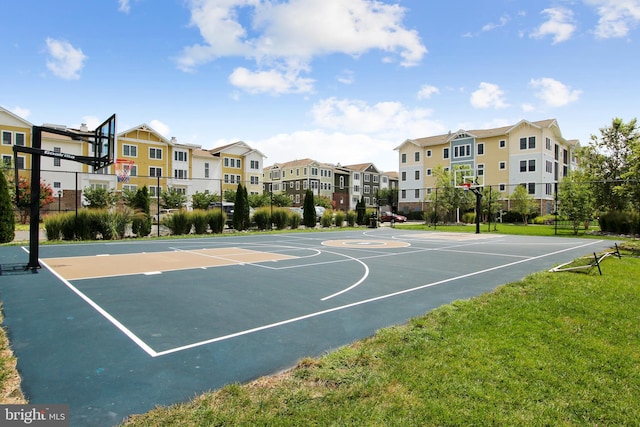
(86, 267)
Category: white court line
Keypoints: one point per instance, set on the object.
(151, 352)
(366, 301)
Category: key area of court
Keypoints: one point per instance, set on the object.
(116, 328)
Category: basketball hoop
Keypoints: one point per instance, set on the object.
(123, 169)
(466, 186)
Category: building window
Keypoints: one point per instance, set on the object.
(254, 164)
(461, 151)
(429, 172)
(20, 139)
(56, 160)
(206, 170)
(6, 160)
(416, 193)
(404, 176)
(155, 172)
(367, 177)
(502, 165)
(180, 156)
(480, 170)
(155, 153)
(523, 165)
(133, 171)
(403, 194)
(356, 176)
(548, 189)
(129, 187)
(6, 137)
(254, 180)
(428, 153)
(404, 158)
(445, 153)
(154, 191)
(375, 178)
(342, 182)
(367, 189)
(129, 150)
(532, 165)
(480, 149)
(547, 144)
(417, 175)
(532, 142)
(180, 174)
(532, 188)
(416, 156)
(502, 143)
(502, 187)
(523, 143)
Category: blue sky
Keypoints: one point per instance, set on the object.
(334, 80)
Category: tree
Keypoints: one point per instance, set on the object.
(361, 211)
(309, 210)
(203, 200)
(246, 211)
(7, 217)
(281, 200)
(389, 197)
(575, 202)
(238, 219)
(172, 198)
(490, 202)
(449, 198)
(99, 197)
(141, 224)
(23, 201)
(523, 203)
(609, 161)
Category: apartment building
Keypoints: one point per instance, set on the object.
(152, 159)
(294, 178)
(531, 154)
(365, 183)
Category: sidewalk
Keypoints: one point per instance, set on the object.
(23, 236)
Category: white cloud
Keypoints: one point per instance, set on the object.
(160, 127)
(617, 17)
(124, 6)
(21, 112)
(488, 95)
(560, 25)
(347, 77)
(65, 61)
(290, 34)
(504, 20)
(426, 91)
(384, 119)
(553, 92)
(527, 108)
(271, 81)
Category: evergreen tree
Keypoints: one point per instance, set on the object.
(141, 224)
(238, 209)
(308, 210)
(246, 212)
(7, 217)
(361, 210)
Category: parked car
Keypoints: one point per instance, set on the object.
(390, 216)
(227, 207)
(163, 213)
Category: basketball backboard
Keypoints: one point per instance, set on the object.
(104, 145)
(465, 177)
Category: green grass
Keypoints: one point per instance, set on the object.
(515, 229)
(552, 349)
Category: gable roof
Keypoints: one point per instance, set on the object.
(216, 151)
(14, 119)
(145, 128)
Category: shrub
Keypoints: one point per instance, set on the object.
(620, 222)
(352, 216)
(200, 221)
(469, 217)
(53, 226)
(69, 225)
(294, 220)
(281, 218)
(7, 218)
(84, 227)
(262, 218)
(340, 216)
(178, 223)
(216, 219)
(326, 220)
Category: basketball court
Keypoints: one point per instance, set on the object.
(119, 327)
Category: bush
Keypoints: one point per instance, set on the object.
(326, 220)
(262, 218)
(216, 219)
(620, 222)
(7, 217)
(340, 216)
(352, 216)
(469, 217)
(179, 223)
(280, 218)
(200, 221)
(53, 226)
(69, 225)
(294, 220)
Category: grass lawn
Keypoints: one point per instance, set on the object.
(552, 349)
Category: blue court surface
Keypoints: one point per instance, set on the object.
(116, 328)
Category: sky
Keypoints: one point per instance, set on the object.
(337, 81)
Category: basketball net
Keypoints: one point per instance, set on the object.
(123, 169)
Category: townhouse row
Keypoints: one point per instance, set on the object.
(533, 154)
